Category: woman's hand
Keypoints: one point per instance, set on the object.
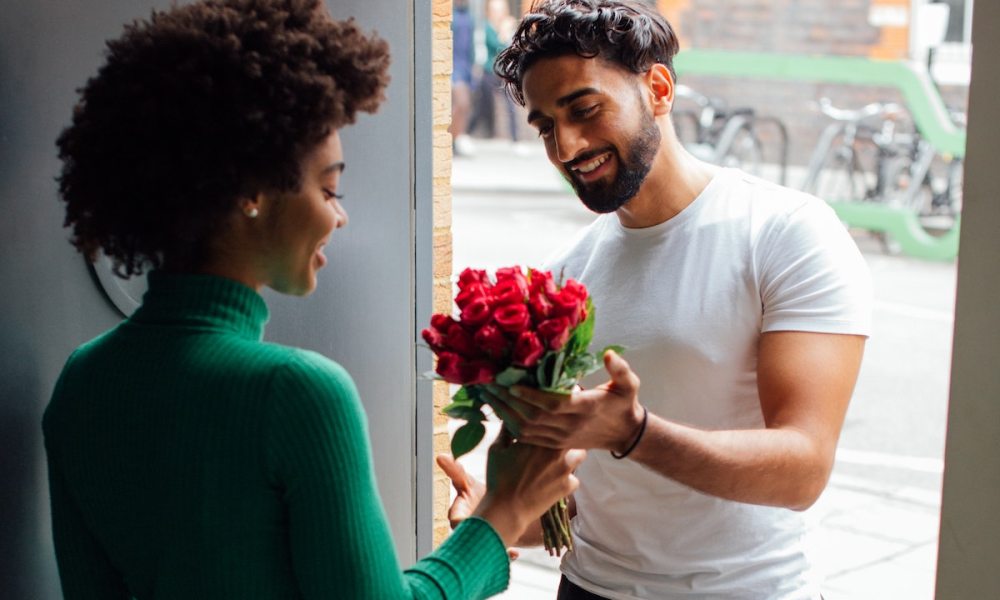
(468, 491)
(522, 482)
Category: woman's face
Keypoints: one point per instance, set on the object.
(302, 221)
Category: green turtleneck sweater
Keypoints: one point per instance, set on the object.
(189, 459)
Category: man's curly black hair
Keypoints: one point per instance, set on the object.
(201, 105)
(626, 32)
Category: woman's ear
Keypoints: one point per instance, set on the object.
(251, 206)
(661, 88)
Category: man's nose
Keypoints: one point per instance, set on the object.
(569, 142)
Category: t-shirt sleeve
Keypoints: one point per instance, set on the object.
(319, 457)
(811, 275)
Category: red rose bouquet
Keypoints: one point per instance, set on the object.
(519, 329)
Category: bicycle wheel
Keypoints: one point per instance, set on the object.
(948, 199)
(932, 207)
(686, 126)
(745, 152)
(842, 177)
(902, 190)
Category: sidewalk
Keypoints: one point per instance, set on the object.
(876, 540)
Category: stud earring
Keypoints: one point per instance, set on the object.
(251, 212)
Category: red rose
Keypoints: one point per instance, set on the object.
(470, 276)
(491, 340)
(541, 307)
(512, 318)
(507, 292)
(476, 313)
(436, 333)
(541, 281)
(555, 332)
(455, 369)
(570, 302)
(470, 293)
(434, 339)
(513, 274)
(527, 349)
(441, 322)
(460, 341)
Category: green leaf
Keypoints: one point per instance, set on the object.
(466, 438)
(510, 376)
(558, 381)
(464, 412)
(462, 396)
(543, 372)
(616, 347)
(581, 365)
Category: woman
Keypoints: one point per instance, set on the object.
(187, 458)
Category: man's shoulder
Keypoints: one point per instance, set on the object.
(768, 196)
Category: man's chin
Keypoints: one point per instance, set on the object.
(600, 203)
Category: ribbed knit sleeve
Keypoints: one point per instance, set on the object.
(318, 455)
(85, 571)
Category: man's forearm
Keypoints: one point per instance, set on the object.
(774, 467)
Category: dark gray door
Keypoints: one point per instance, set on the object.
(364, 314)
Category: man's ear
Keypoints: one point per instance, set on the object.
(661, 88)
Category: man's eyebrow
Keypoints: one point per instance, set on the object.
(563, 101)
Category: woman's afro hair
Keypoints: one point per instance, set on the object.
(201, 105)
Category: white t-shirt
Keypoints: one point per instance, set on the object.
(689, 298)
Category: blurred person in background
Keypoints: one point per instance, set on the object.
(463, 60)
(497, 30)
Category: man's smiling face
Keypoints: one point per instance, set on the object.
(596, 128)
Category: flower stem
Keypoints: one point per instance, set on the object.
(556, 533)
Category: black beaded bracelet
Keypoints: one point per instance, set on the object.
(642, 429)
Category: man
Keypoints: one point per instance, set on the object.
(744, 308)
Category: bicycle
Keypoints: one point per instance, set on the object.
(875, 154)
(721, 135)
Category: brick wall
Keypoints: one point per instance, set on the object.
(441, 70)
(825, 27)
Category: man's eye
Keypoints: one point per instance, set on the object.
(585, 111)
(544, 130)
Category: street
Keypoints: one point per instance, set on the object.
(877, 522)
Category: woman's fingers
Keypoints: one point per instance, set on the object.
(455, 471)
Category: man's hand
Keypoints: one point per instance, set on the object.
(607, 417)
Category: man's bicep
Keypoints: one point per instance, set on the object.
(805, 381)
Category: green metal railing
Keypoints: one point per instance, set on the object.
(922, 99)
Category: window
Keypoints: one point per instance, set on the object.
(942, 39)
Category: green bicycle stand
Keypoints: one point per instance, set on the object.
(922, 99)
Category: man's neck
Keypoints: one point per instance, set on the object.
(674, 181)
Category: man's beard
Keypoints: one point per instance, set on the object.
(605, 197)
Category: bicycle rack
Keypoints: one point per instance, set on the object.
(783, 134)
(903, 226)
(922, 99)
